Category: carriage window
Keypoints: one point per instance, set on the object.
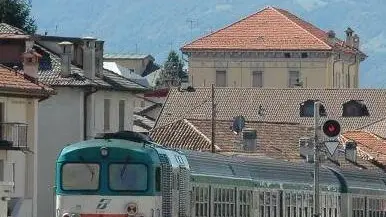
(128, 177)
(80, 176)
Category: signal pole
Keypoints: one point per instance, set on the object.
(316, 159)
(213, 120)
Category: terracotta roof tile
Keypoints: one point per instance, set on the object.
(275, 140)
(180, 134)
(370, 145)
(271, 105)
(268, 29)
(13, 81)
(10, 32)
(378, 127)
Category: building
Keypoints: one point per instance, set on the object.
(274, 48)
(280, 118)
(89, 100)
(140, 64)
(20, 95)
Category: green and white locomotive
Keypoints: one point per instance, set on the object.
(125, 174)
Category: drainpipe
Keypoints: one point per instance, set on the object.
(351, 64)
(333, 70)
(85, 97)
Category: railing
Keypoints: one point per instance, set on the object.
(13, 135)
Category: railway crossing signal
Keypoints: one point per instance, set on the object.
(331, 130)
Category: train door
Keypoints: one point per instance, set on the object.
(200, 200)
(267, 202)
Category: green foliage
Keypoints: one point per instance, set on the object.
(17, 13)
(172, 72)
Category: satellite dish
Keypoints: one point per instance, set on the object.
(238, 124)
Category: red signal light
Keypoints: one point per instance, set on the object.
(331, 128)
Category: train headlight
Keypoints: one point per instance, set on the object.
(66, 215)
(104, 151)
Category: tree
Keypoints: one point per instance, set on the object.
(172, 72)
(17, 13)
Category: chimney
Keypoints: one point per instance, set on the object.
(89, 57)
(355, 41)
(306, 148)
(249, 139)
(31, 63)
(99, 57)
(331, 36)
(66, 56)
(350, 151)
(349, 36)
(29, 43)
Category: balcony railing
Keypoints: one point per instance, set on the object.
(13, 136)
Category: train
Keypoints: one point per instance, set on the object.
(127, 174)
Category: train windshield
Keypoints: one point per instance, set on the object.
(80, 176)
(128, 177)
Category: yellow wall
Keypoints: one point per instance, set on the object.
(314, 72)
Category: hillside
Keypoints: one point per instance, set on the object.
(149, 26)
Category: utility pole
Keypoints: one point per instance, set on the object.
(316, 159)
(213, 119)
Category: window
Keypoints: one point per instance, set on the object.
(1, 119)
(354, 108)
(307, 109)
(158, 179)
(106, 114)
(221, 80)
(293, 78)
(304, 55)
(121, 115)
(257, 79)
(287, 55)
(80, 176)
(128, 177)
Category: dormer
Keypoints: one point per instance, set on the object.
(306, 109)
(355, 108)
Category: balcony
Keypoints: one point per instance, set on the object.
(13, 136)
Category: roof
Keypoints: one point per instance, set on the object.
(15, 82)
(118, 69)
(378, 127)
(268, 29)
(50, 71)
(143, 122)
(370, 146)
(271, 105)
(127, 56)
(8, 31)
(275, 140)
(120, 82)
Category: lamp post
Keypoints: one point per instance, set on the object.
(316, 159)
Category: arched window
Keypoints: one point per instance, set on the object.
(354, 108)
(307, 109)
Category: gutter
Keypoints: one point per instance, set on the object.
(351, 64)
(85, 97)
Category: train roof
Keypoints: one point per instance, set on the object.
(118, 149)
(266, 172)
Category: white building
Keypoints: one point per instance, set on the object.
(89, 100)
(19, 98)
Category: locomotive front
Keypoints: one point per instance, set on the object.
(108, 177)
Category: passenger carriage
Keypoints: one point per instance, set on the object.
(125, 174)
